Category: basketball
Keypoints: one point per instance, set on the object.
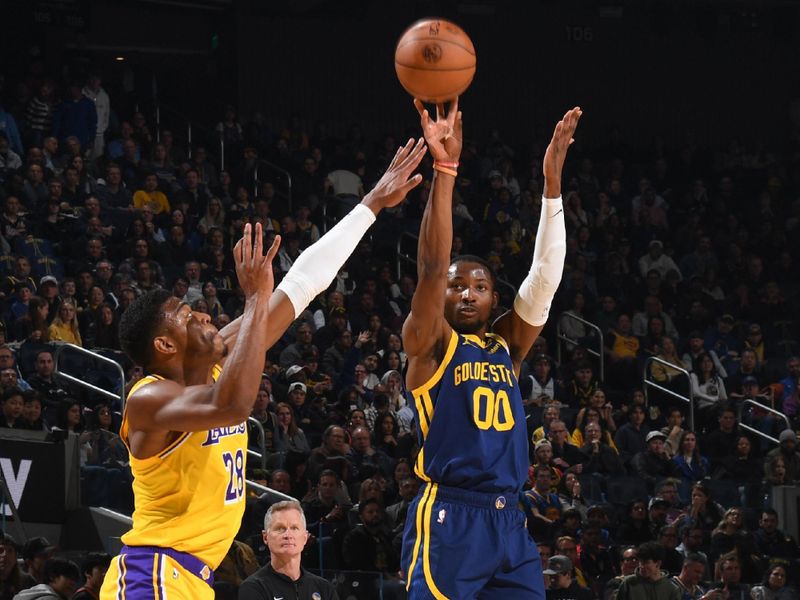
(434, 60)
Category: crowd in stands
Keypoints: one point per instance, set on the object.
(684, 259)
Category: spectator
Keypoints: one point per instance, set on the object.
(742, 466)
(728, 575)
(691, 464)
(771, 542)
(631, 438)
(94, 571)
(628, 563)
(581, 387)
(11, 578)
(77, 117)
(286, 536)
(649, 582)
(12, 409)
(703, 509)
(635, 528)
(541, 504)
(368, 547)
(654, 463)
(696, 346)
(668, 538)
(722, 442)
(563, 585)
(691, 576)
(655, 259)
(64, 327)
(288, 436)
(731, 535)
(362, 453)
(774, 585)
(707, 387)
(566, 456)
(602, 459)
(59, 581)
(789, 453)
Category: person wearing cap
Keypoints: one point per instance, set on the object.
(562, 581)
(725, 343)
(696, 346)
(35, 554)
(543, 456)
(655, 259)
(653, 463)
(789, 452)
(648, 582)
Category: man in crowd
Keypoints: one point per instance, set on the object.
(649, 582)
(284, 577)
(562, 582)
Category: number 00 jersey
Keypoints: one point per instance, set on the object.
(190, 497)
(470, 419)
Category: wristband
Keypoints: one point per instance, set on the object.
(441, 169)
(452, 164)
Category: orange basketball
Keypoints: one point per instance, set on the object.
(435, 60)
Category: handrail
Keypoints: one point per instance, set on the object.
(282, 171)
(561, 337)
(402, 256)
(767, 409)
(648, 384)
(268, 490)
(262, 442)
(66, 346)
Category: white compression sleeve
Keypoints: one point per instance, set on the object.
(536, 293)
(318, 264)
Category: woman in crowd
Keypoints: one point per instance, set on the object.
(210, 294)
(692, 465)
(775, 585)
(743, 465)
(599, 410)
(707, 387)
(64, 327)
(569, 492)
(386, 433)
(288, 435)
(703, 509)
(731, 535)
(69, 416)
(33, 325)
(636, 526)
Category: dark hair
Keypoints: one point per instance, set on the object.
(329, 473)
(10, 393)
(95, 559)
(694, 557)
(58, 567)
(362, 506)
(377, 433)
(477, 259)
(139, 324)
(650, 551)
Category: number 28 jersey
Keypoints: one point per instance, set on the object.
(471, 420)
(190, 497)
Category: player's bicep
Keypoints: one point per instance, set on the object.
(422, 327)
(168, 406)
(518, 334)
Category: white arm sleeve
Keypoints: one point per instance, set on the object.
(316, 267)
(536, 293)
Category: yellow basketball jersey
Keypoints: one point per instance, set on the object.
(190, 497)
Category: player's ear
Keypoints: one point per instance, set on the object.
(495, 300)
(164, 344)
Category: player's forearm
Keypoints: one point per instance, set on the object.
(536, 293)
(236, 388)
(436, 229)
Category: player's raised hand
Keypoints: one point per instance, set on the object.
(444, 135)
(397, 181)
(253, 265)
(556, 151)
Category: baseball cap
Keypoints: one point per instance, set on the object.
(558, 564)
(787, 435)
(653, 243)
(48, 279)
(655, 434)
(657, 501)
(297, 385)
(37, 547)
(542, 442)
(495, 175)
(293, 370)
(749, 380)
(727, 317)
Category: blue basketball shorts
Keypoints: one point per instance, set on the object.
(460, 545)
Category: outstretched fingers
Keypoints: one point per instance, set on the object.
(414, 156)
(273, 250)
(258, 243)
(247, 245)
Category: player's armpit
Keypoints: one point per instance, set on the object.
(518, 334)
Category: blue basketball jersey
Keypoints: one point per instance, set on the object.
(471, 420)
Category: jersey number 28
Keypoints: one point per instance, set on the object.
(234, 463)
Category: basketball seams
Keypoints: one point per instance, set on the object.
(433, 39)
(413, 68)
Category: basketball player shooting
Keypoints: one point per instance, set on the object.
(185, 423)
(465, 536)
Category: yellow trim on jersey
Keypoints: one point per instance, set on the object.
(418, 531)
(155, 576)
(419, 468)
(500, 340)
(426, 545)
(448, 355)
(123, 571)
(424, 424)
(174, 445)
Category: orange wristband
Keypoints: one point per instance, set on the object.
(452, 172)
